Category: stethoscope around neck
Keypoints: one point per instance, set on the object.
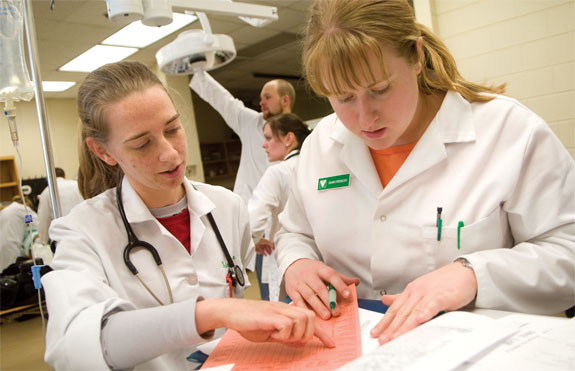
(235, 275)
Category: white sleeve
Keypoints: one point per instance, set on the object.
(44, 216)
(295, 240)
(248, 250)
(158, 330)
(265, 198)
(238, 117)
(538, 274)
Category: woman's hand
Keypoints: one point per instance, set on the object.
(264, 247)
(448, 288)
(260, 321)
(306, 284)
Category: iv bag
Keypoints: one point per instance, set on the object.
(15, 82)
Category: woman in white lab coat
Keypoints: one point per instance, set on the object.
(428, 191)
(101, 314)
(284, 135)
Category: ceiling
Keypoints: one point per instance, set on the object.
(74, 26)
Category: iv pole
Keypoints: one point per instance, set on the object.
(41, 107)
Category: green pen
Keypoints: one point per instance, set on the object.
(459, 226)
(332, 296)
(439, 223)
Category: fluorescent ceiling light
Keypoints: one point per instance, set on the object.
(97, 56)
(138, 35)
(57, 85)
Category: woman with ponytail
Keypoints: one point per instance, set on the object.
(427, 191)
(283, 134)
(140, 276)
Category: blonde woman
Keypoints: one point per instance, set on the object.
(428, 191)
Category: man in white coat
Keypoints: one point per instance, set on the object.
(69, 197)
(277, 96)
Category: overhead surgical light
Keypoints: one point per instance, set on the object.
(196, 50)
(193, 50)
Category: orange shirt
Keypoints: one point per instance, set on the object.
(388, 161)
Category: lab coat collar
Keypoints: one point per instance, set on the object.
(137, 211)
(453, 123)
(291, 154)
(198, 205)
(355, 155)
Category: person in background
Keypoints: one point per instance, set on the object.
(428, 191)
(284, 135)
(69, 195)
(277, 96)
(16, 236)
(112, 302)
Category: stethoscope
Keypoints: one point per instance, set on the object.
(235, 275)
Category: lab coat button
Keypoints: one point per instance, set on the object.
(382, 292)
(383, 218)
(193, 279)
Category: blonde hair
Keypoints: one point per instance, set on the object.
(108, 84)
(341, 35)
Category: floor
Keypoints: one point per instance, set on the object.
(22, 342)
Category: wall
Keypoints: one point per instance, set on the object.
(530, 44)
(62, 121)
(63, 127)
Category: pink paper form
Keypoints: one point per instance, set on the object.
(247, 355)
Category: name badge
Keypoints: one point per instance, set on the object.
(337, 181)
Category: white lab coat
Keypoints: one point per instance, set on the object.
(15, 235)
(267, 202)
(91, 281)
(246, 123)
(496, 166)
(69, 195)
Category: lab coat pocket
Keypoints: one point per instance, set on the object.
(490, 232)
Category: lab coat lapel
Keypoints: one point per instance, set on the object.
(452, 124)
(199, 206)
(356, 157)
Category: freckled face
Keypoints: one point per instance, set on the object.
(147, 140)
(275, 146)
(381, 112)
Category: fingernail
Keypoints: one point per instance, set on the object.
(346, 294)
(383, 339)
(325, 314)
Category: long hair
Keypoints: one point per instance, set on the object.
(108, 84)
(341, 35)
(285, 123)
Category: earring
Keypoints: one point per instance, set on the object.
(287, 145)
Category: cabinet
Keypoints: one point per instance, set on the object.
(9, 181)
(221, 161)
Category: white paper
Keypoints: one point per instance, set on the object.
(441, 344)
(541, 344)
(367, 320)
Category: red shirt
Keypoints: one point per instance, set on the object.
(179, 226)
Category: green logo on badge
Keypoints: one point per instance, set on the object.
(333, 182)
